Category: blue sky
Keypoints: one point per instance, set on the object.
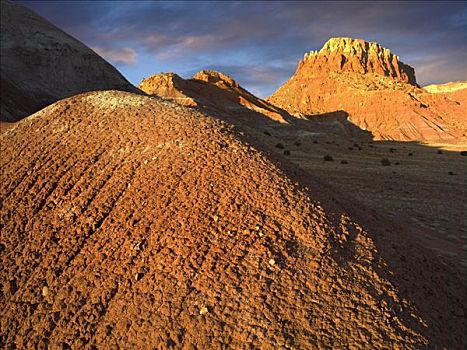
(259, 43)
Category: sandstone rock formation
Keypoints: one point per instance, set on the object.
(212, 90)
(357, 56)
(376, 90)
(41, 64)
(132, 222)
(169, 86)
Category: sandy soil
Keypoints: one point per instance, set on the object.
(135, 223)
(421, 187)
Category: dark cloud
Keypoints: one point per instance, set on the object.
(259, 43)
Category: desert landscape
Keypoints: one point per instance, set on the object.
(190, 213)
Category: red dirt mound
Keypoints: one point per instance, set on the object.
(130, 222)
(377, 91)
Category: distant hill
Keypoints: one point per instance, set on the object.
(210, 89)
(447, 87)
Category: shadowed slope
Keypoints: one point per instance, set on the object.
(41, 64)
(130, 222)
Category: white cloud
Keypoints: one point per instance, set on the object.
(125, 55)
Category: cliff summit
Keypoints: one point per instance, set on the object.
(359, 56)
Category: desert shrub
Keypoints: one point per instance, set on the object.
(385, 162)
(397, 163)
(411, 154)
(351, 148)
(315, 142)
(463, 153)
(280, 146)
(343, 161)
(298, 143)
(450, 173)
(328, 158)
(392, 150)
(267, 133)
(287, 152)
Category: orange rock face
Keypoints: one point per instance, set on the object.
(377, 91)
(358, 56)
(209, 89)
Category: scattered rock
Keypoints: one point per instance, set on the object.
(203, 310)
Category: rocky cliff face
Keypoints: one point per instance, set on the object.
(358, 56)
(41, 64)
(377, 91)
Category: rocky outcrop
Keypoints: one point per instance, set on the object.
(358, 56)
(216, 78)
(169, 86)
(212, 90)
(376, 90)
(41, 64)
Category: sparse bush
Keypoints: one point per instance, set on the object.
(463, 153)
(328, 158)
(397, 163)
(298, 143)
(450, 173)
(343, 161)
(315, 142)
(280, 146)
(411, 154)
(267, 133)
(392, 150)
(385, 162)
(351, 148)
(440, 152)
(287, 152)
